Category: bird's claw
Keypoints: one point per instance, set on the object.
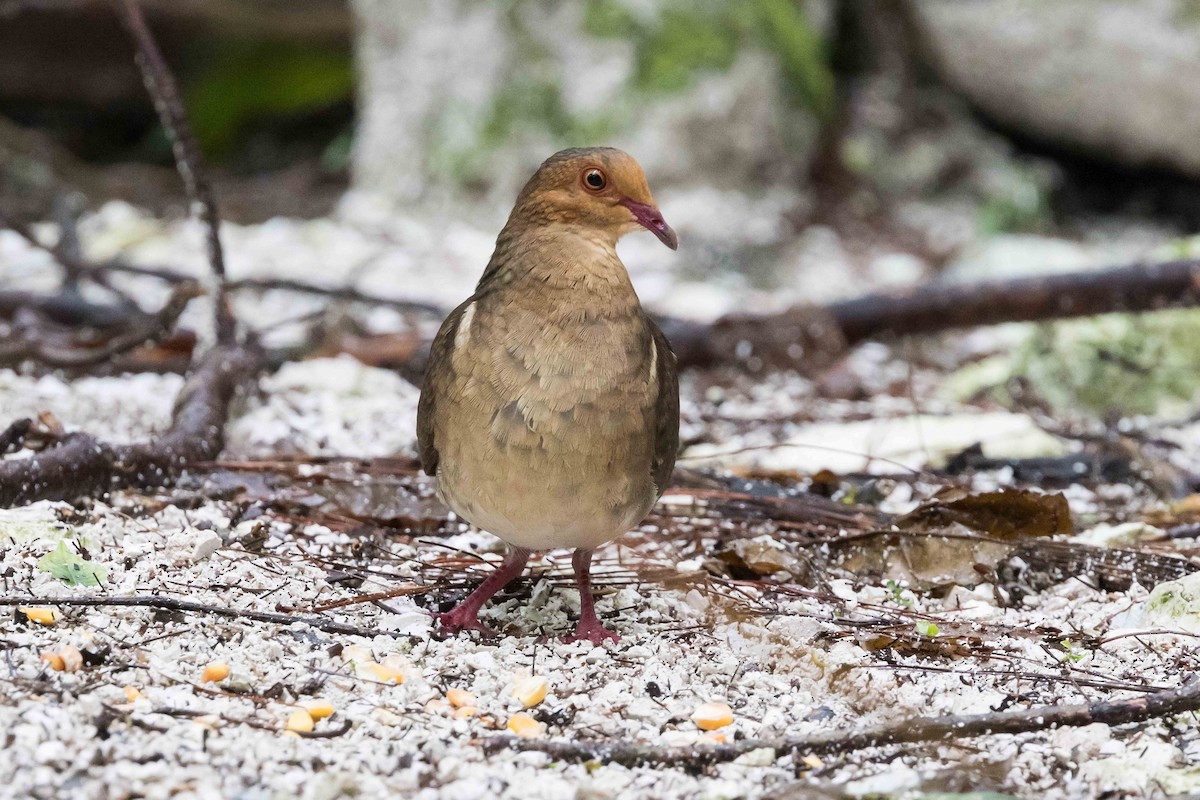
(458, 619)
(592, 632)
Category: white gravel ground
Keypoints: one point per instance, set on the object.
(687, 640)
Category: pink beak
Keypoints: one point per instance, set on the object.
(652, 220)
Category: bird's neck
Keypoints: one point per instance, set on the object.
(557, 257)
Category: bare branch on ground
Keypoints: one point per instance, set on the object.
(921, 729)
(193, 607)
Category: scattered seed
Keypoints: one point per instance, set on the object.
(42, 616)
(318, 708)
(525, 726)
(54, 660)
(215, 672)
(531, 691)
(300, 721)
(710, 716)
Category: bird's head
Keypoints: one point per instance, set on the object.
(601, 188)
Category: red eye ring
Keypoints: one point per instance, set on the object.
(594, 179)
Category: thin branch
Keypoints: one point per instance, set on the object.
(81, 465)
(921, 729)
(817, 334)
(191, 606)
(171, 113)
(345, 293)
(12, 437)
(146, 329)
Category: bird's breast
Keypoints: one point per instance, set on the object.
(546, 434)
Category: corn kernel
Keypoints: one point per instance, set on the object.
(436, 705)
(716, 737)
(812, 762)
(378, 672)
(71, 657)
(300, 721)
(710, 716)
(460, 698)
(54, 660)
(525, 726)
(42, 616)
(215, 672)
(465, 712)
(531, 691)
(132, 694)
(318, 709)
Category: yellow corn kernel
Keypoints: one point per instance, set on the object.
(378, 672)
(460, 698)
(54, 660)
(71, 657)
(436, 706)
(318, 708)
(215, 672)
(531, 691)
(465, 712)
(132, 694)
(710, 716)
(716, 737)
(300, 721)
(525, 726)
(42, 616)
(812, 762)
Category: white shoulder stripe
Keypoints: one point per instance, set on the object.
(463, 334)
(653, 361)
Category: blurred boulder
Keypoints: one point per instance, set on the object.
(1115, 78)
(456, 94)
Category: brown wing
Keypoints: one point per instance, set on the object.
(437, 378)
(666, 431)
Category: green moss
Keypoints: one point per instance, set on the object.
(245, 81)
(609, 19)
(690, 38)
(1016, 202)
(1112, 365)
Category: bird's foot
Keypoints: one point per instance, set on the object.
(592, 631)
(463, 619)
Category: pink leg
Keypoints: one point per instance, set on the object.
(465, 616)
(589, 627)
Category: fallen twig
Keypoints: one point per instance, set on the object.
(171, 113)
(12, 437)
(921, 729)
(813, 335)
(81, 465)
(191, 606)
(144, 329)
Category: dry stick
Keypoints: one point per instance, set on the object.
(921, 729)
(12, 437)
(82, 465)
(149, 329)
(176, 604)
(163, 91)
(795, 334)
(346, 293)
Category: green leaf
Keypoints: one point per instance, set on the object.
(926, 628)
(72, 569)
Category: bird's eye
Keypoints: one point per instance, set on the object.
(594, 179)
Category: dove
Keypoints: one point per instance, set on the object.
(549, 411)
